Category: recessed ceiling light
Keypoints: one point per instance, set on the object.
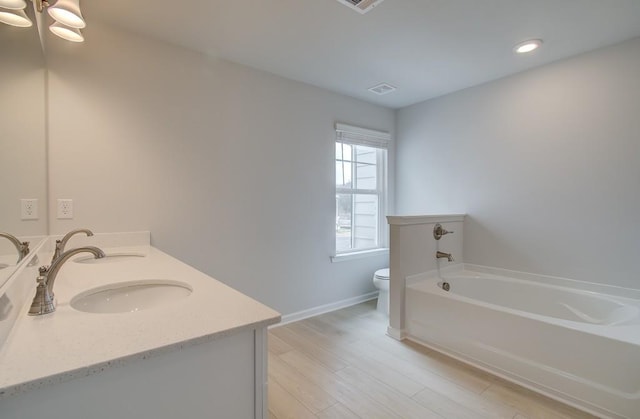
(527, 46)
(382, 89)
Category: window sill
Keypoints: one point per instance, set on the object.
(343, 257)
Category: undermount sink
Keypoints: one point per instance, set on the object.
(7, 261)
(131, 296)
(109, 258)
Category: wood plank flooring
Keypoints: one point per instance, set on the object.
(342, 365)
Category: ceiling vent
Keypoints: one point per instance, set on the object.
(382, 89)
(361, 6)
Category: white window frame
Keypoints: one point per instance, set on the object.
(376, 139)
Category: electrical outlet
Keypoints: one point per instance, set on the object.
(29, 209)
(65, 209)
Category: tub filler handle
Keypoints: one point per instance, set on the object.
(439, 231)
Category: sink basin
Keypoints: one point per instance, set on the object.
(110, 258)
(7, 261)
(131, 296)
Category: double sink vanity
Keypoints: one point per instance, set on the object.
(135, 333)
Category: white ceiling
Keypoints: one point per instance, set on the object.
(426, 48)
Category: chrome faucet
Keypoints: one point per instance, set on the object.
(440, 255)
(43, 302)
(22, 247)
(61, 244)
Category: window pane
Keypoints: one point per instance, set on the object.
(365, 176)
(356, 222)
(366, 170)
(343, 174)
(344, 209)
(346, 152)
(365, 221)
(366, 154)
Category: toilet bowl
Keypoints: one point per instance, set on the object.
(381, 282)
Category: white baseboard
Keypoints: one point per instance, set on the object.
(315, 311)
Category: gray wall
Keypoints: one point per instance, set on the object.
(231, 169)
(545, 163)
(23, 163)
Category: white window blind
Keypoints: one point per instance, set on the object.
(362, 136)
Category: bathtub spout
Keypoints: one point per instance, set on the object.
(440, 255)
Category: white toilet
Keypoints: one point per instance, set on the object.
(381, 282)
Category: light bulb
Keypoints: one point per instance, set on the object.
(67, 33)
(68, 13)
(13, 4)
(15, 18)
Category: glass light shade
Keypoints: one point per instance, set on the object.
(15, 18)
(68, 13)
(67, 33)
(13, 4)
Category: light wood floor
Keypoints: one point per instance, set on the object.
(342, 365)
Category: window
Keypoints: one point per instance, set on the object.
(361, 183)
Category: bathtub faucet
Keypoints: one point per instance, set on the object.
(440, 255)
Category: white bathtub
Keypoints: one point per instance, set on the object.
(573, 341)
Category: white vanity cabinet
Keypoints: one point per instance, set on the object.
(201, 356)
(223, 378)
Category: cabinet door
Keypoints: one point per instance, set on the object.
(215, 379)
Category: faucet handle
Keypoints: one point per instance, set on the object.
(23, 250)
(439, 231)
(41, 280)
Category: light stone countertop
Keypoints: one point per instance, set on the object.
(67, 344)
(8, 260)
(7, 266)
